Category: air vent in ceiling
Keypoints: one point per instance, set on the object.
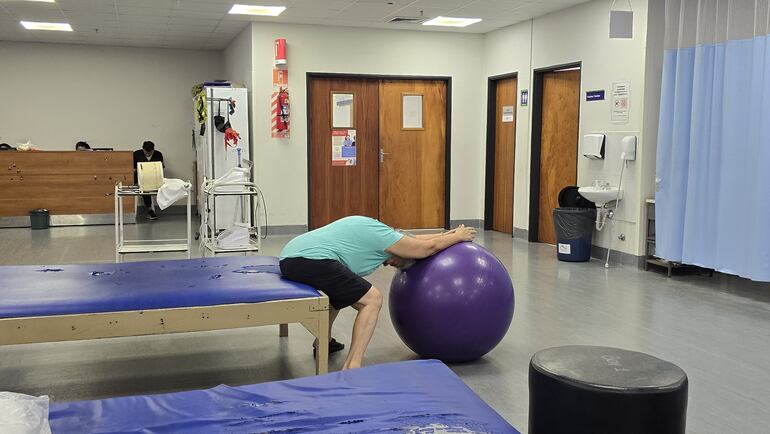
(406, 20)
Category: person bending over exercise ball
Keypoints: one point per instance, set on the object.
(333, 259)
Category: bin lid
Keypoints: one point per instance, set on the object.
(570, 198)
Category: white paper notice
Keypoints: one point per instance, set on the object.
(342, 110)
(620, 102)
(411, 112)
(507, 113)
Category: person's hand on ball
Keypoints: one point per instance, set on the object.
(465, 234)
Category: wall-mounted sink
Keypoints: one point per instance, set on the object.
(600, 195)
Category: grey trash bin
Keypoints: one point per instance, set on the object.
(39, 218)
(574, 233)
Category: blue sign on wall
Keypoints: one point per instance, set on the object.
(595, 95)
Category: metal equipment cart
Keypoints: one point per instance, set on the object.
(124, 246)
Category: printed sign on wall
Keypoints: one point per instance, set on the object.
(343, 147)
(620, 102)
(507, 113)
(595, 95)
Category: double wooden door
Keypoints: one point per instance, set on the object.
(400, 139)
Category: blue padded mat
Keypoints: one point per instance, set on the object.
(417, 396)
(71, 289)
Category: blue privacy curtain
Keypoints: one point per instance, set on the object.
(713, 154)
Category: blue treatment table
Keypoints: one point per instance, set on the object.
(76, 302)
(416, 396)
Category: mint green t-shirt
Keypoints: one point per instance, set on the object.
(357, 242)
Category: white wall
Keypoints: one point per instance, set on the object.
(237, 59)
(580, 34)
(507, 51)
(57, 94)
(282, 164)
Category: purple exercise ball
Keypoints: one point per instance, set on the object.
(454, 306)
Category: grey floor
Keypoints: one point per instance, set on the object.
(716, 329)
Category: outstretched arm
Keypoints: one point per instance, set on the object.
(419, 248)
(440, 234)
(432, 236)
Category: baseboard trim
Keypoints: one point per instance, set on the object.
(141, 210)
(285, 229)
(473, 223)
(67, 220)
(618, 256)
(521, 233)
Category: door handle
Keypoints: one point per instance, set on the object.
(382, 155)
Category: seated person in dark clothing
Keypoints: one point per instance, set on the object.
(82, 146)
(144, 155)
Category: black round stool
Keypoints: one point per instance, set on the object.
(600, 390)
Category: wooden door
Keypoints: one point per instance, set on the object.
(412, 177)
(339, 191)
(558, 144)
(505, 148)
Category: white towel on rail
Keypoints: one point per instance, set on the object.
(171, 191)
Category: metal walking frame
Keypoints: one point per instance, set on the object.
(248, 193)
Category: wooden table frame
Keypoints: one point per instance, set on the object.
(311, 312)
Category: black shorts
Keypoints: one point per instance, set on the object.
(342, 286)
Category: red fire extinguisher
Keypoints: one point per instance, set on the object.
(282, 123)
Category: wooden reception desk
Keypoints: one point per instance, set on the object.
(76, 187)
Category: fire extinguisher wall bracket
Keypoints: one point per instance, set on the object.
(280, 54)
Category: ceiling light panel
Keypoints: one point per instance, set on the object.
(451, 22)
(58, 27)
(265, 11)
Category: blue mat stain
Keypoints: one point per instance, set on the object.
(251, 269)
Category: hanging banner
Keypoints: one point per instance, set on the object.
(279, 104)
(343, 147)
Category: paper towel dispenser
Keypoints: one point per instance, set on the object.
(593, 146)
